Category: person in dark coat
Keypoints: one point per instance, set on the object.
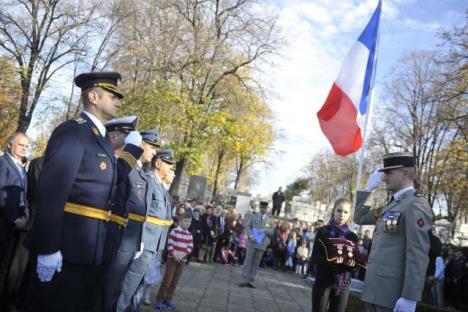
(67, 242)
(278, 199)
(14, 209)
(196, 229)
(333, 264)
(210, 231)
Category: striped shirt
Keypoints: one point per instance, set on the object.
(180, 243)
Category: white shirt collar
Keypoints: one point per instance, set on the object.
(97, 123)
(404, 190)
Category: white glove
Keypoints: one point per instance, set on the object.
(21, 222)
(134, 138)
(405, 305)
(374, 181)
(139, 252)
(47, 265)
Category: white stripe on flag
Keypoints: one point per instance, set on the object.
(352, 73)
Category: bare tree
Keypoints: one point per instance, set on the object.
(195, 45)
(42, 37)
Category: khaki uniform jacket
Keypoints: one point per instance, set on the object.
(398, 261)
(255, 221)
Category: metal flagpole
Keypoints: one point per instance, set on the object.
(369, 111)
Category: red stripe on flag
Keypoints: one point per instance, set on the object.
(337, 118)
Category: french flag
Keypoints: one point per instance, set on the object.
(338, 116)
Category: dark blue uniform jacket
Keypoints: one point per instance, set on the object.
(79, 167)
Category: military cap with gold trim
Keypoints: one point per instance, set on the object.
(106, 80)
(166, 155)
(397, 160)
(124, 124)
(151, 137)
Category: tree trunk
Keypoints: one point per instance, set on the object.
(218, 170)
(239, 174)
(180, 169)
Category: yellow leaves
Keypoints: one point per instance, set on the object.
(10, 96)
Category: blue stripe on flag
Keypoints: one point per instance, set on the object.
(368, 38)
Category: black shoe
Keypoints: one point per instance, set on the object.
(251, 285)
(242, 284)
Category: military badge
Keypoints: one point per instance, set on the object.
(95, 130)
(103, 165)
(391, 221)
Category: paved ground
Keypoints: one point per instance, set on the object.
(206, 288)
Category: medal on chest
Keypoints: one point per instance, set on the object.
(391, 221)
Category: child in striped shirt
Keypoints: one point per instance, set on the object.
(179, 246)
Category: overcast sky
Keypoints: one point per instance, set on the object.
(320, 33)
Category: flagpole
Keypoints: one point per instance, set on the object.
(369, 112)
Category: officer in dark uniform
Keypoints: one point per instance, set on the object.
(132, 200)
(75, 190)
(158, 218)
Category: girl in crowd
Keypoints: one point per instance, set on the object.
(333, 272)
(290, 251)
(302, 255)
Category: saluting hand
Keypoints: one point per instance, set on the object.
(374, 181)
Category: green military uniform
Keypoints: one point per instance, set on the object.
(399, 254)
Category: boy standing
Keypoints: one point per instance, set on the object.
(179, 246)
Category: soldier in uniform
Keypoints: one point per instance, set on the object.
(68, 241)
(118, 130)
(132, 200)
(157, 222)
(398, 258)
(257, 227)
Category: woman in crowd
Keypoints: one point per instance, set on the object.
(210, 235)
(333, 270)
(196, 229)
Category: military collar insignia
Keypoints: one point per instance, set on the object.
(96, 131)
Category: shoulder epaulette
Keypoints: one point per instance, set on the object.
(79, 120)
(128, 158)
(419, 195)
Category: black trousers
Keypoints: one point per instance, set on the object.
(277, 210)
(323, 296)
(77, 288)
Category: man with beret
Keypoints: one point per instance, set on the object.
(257, 227)
(132, 199)
(68, 241)
(157, 222)
(398, 259)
